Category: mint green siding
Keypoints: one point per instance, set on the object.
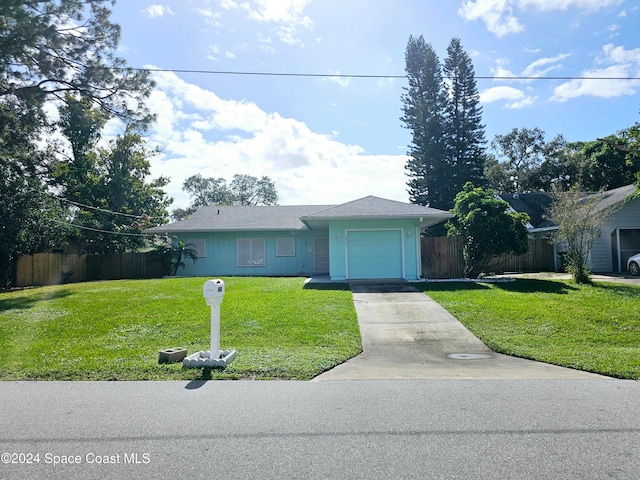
(358, 249)
(221, 254)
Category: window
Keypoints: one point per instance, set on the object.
(285, 247)
(251, 252)
(200, 245)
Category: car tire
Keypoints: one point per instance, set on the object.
(634, 269)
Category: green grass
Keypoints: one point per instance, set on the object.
(588, 327)
(114, 330)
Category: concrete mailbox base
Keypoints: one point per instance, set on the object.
(171, 355)
(203, 359)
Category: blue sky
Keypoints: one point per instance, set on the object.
(331, 140)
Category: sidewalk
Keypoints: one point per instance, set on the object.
(407, 335)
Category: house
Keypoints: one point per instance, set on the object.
(368, 238)
(619, 236)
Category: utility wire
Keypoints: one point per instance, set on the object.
(343, 75)
(81, 227)
(82, 205)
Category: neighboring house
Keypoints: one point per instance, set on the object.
(369, 238)
(619, 237)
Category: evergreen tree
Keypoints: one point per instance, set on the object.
(441, 108)
(49, 51)
(423, 108)
(463, 129)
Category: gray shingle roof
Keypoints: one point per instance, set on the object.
(536, 205)
(375, 207)
(236, 218)
(295, 217)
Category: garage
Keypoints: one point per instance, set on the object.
(374, 254)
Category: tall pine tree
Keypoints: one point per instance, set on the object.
(423, 108)
(441, 109)
(463, 130)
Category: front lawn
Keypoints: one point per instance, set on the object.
(114, 330)
(587, 327)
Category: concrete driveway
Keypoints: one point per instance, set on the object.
(407, 335)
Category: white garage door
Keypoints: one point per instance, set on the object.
(374, 254)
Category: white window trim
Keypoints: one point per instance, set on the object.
(253, 261)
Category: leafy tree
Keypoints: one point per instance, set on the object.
(207, 191)
(99, 181)
(524, 151)
(423, 107)
(488, 228)
(243, 190)
(49, 51)
(249, 190)
(602, 164)
(31, 220)
(463, 128)
(121, 170)
(579, 218)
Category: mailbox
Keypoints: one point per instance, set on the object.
(213, 289)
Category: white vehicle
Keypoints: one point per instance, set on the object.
(633, 264)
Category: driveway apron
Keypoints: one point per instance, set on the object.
(407, 335)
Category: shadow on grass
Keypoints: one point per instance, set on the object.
(26, 302)
(326, 286)
(450, 286)
(519, 286)
(537, 286)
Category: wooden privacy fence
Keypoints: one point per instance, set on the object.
(442, 258)
(57, 268)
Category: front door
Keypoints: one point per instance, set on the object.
(321, 255)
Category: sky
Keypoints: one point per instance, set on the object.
(330, 139)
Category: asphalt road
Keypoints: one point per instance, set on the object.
(441, 429)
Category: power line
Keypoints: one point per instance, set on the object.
(81, 227)
(347, 75)
(82, 205)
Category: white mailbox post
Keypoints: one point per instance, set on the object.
(213, 293)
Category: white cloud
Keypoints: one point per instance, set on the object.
(287, 16)
(613, 79)
(533, 69)
(201, 133)
(496, 14)
(342, 81)
(513, 97)
(209, 16)
(158, 11)
(606, 87)
(500, 16)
